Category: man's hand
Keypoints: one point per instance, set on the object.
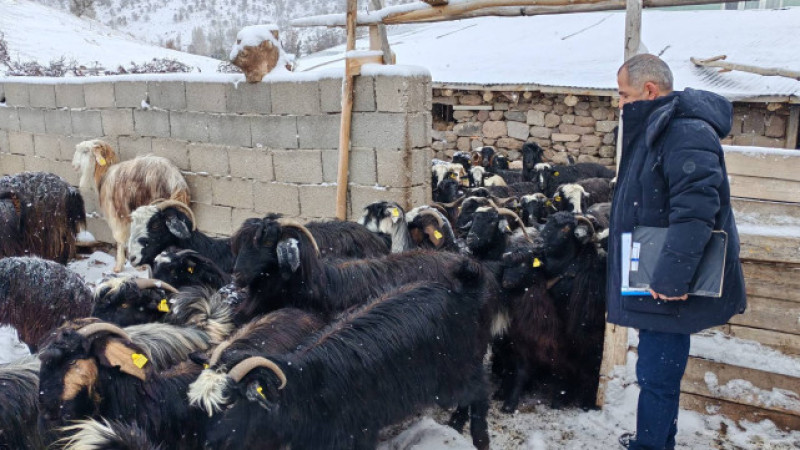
(657, 296)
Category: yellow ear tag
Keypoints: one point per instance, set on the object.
(139, 360)
(260, 391)
(453, 176)
(190, 269)
(557, 198)
(537, 262)
(102, 161)
(205, 366)
(163, 306)
(437, 234)
(555, 174)
(395, 212)
(548, 203)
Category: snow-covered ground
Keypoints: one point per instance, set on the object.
(537, 427)
(38, 33)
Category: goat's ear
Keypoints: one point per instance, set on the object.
(176, 226)
(288, 256)
(99, 155)
(434, 235)
(130, 360)
(584, 232)
(261, 394)
(503, 225)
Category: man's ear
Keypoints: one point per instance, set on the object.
(651, 90)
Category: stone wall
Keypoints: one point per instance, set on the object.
(576, 125)
(245, 149)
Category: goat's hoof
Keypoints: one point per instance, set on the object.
(508, 408)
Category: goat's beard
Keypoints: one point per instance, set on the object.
(85, 163)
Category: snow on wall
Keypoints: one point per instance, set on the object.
(743, 391)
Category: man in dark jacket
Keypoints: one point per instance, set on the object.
(672, 175)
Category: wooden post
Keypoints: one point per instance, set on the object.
(633, 27)
(380, 40)
(793, 127)
(342, 179)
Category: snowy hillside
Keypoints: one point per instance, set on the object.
(38, 33)
(208, 27)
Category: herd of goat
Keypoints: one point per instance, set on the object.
(299, 335)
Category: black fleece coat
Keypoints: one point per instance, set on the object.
(673, 175)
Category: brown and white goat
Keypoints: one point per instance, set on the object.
(124, 186)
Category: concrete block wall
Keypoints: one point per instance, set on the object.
(245, 149)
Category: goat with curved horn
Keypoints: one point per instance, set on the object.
(244, 367)
(508, 212)
(95, 328)
(302, 228)
(180, 206)
(149, 283)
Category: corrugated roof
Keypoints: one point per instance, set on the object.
(574, 52)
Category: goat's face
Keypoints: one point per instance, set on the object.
(569, 197)
(467, 211)
(122, 302)
(463, 159)
(563, 234)
(153, 230)
(488, 227)
(531, 155)
(535, 209)
(177, 268)
(448, 191)
(239, 411)
(71, 369)
(382, 217)
(92, 159)
(255, 246)
(518, 267)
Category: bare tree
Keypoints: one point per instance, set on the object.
(82, 8)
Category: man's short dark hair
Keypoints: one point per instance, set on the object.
(646, 67)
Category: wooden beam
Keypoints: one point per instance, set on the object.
(633, 28)
(793, 127)
(381, 37)
(781, 165)
(788, 344)
(342, 179)
(738, 412)
(615, 353)
(756, 247)
(765, 188)
(770, 314)
(482, 8)
(436, 2)
(718, 61)
(695, 382)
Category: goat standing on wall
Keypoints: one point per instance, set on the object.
(125, 186)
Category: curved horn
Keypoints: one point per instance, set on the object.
(95, 328)
(302, 228)
(217, 353)
(519, 221)
(186, 251)
(149, 283)
(588, 222)
(433, 214)
(439, 208)
(455, 203)
(504, 201)
(180, 206)
(243, 368)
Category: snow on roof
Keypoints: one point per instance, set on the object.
(574, 52)
(37, 33)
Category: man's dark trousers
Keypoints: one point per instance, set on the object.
(659, 369)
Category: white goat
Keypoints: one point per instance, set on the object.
(125, 186)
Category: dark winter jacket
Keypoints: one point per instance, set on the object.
(673, 174)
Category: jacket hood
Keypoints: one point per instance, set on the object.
(709, 107)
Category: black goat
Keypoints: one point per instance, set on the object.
(40, 214)
(325, 395)
(18, 407)
(388, 220)
(490, 231)
(276, 333)
(550, 176)
(341, 239)
(170, 223)
(534, 346)
(98, 370)
(105, 435)
(186, 267)
(430, 229)
(280, 264)
(576, 270)
(37, 295)
(448, 191)
(576, 197)
(462, 158)
(129, 301)
(531, 156)
(535, 209)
